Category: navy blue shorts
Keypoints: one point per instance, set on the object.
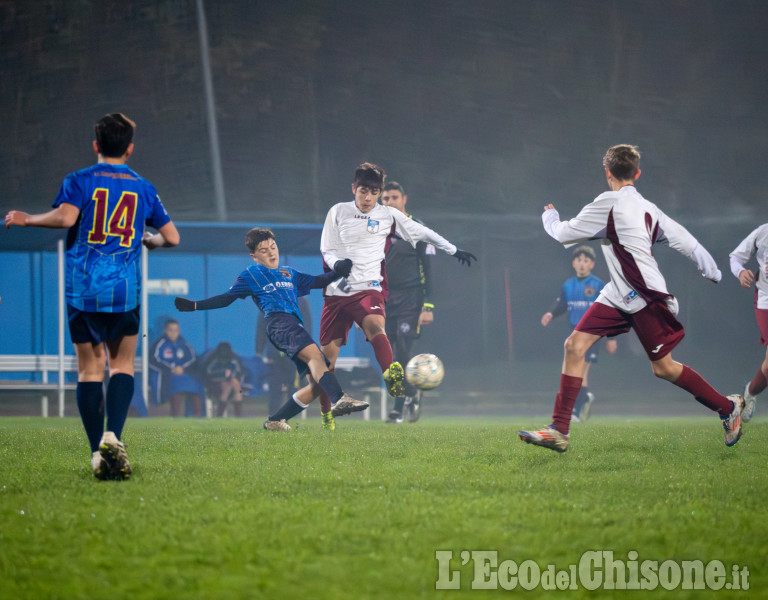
(287, 334)
(96, 328)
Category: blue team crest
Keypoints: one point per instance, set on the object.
(373, 226)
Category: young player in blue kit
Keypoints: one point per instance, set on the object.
(275, 290)
(105, 207)
(576, 296)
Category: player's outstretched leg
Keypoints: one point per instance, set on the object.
(547, 437)
(346, 405)
(732, 423)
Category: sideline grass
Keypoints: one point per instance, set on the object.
(222, 509)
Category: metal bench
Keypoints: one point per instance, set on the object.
(43, 364)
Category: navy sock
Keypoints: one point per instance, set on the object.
(90, 403)
(581, 399)
(119, 395)
(331, 387)
(399, 403)
(287, 411)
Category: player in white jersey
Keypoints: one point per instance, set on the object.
(357, 233)
(756, 243)
(635, 298)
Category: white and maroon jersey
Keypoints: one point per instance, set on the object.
(629, 226)
(755, 243)
(363, 238)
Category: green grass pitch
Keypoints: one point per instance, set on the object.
(220, 509)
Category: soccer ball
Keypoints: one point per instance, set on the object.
(424, 371)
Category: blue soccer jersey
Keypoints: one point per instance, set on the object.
(274, 290)
(579, 294)
(103, 272)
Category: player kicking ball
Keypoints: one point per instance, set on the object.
(635, 298)
(275, 290)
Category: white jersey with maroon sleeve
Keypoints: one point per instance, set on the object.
(629, 226)
(363, 238)
(755, 243)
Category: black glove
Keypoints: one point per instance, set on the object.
(343, 267)
(184, 305)
(464, 257)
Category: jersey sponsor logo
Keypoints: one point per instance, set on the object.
(271, 287)
(373, 226)
(374, 284)
(630, 297)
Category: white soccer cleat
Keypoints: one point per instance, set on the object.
(280, 425)
(732, 423)
(749, 405)
(347, 404)
(113, 452)
(547, 437)
(99, 466)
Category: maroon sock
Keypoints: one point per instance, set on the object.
(695, 384)
(566, 398)
(758, 383)
(383, 351)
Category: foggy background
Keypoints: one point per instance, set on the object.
(485, 111)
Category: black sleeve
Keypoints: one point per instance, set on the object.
(219, 301)
(322, 280)
(425, 273)
(559, 307)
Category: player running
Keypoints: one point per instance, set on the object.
(755, 243)
(358, 232)
(635, 298)
(105, 208)
(275, 290)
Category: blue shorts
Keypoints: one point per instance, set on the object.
(287, 334)
(96, 328)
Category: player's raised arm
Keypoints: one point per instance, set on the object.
(679, 238)
(413, 232)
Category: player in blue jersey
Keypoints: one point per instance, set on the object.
(106, 208)
(576, 296)
(275, 289)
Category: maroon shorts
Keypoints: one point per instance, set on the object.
(340, 312)
(761, 314)
(656, 327)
